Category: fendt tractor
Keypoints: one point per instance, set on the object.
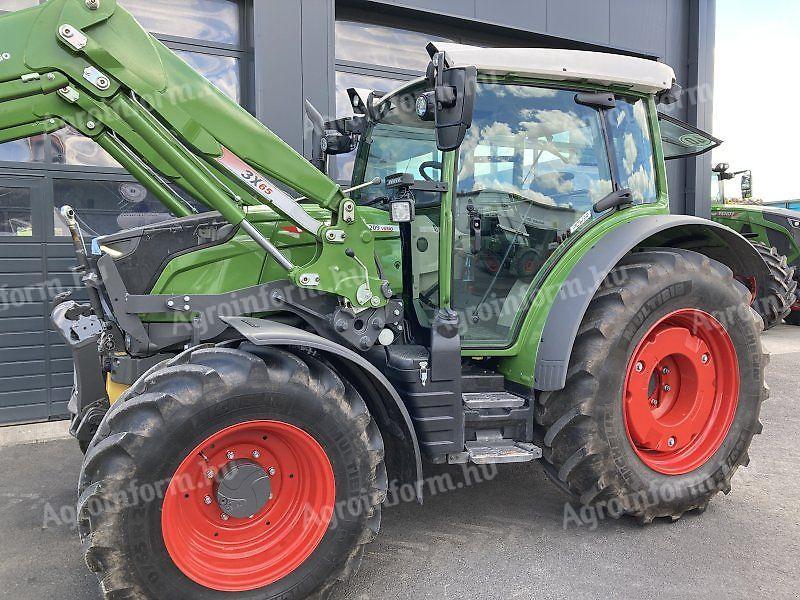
(775, 233)
(503, 283)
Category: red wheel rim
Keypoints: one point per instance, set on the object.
(492, 264)
(235, 555)
(681, 392)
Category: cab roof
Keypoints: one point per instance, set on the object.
(637, 74)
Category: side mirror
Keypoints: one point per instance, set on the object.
(747, 186)
(451, 103)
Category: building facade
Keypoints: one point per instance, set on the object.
(270, 55)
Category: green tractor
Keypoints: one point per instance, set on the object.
(251, 381)
(775, 232)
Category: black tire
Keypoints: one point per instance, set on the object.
(173, 408)
(587, 451)
(794, 315)
(775, 300)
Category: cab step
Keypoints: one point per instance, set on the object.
(483, 400)
(491, 448)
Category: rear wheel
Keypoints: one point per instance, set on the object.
(225, 473)
(779, 293)
(663, 392)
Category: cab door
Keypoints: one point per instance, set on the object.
(530, 168)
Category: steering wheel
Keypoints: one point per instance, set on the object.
(429, 164)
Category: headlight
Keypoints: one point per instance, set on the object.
(402, 210)
(426, 106)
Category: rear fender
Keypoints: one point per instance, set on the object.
(714, 240)
(403, 454)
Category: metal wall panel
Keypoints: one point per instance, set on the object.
(640, 25)
(277, 39)
(583, 20)
(461, 8)
(677, 55)
(524, 14)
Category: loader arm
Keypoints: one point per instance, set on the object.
(90, 65)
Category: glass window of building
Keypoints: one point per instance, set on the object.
(27, 150)
(222, 71)
(15, 212)
(207, 20)
(381, 45)
(211, 41)
(10, 5)
(211, 37)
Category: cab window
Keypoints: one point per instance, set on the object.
(629, 130)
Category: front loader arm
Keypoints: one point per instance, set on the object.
(90, 65)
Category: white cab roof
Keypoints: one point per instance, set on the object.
(638, 74)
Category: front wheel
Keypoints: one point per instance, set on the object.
(664, 388)
(257, 475)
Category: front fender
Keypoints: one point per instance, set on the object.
(706, 237)
(382, 399)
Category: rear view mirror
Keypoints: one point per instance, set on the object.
(747, 185)
(452, 102)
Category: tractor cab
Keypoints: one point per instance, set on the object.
(540, 160)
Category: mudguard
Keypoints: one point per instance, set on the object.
(262, 332)
(666, 231)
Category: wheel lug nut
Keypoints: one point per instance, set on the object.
(230, 455)
(272, 471)
(207, 500)
(639, 367)
(671, 442)
(667, 388)
(665, 370)
(256, 454)
(705, 358)
(209, 474)
(654, 403)
(224, 517)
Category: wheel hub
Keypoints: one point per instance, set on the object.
(243, 489)
(248, 506)
(681, 392)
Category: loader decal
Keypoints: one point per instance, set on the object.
(252, 178)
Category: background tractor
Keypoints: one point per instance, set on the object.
(775, 233)
(249, 380)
